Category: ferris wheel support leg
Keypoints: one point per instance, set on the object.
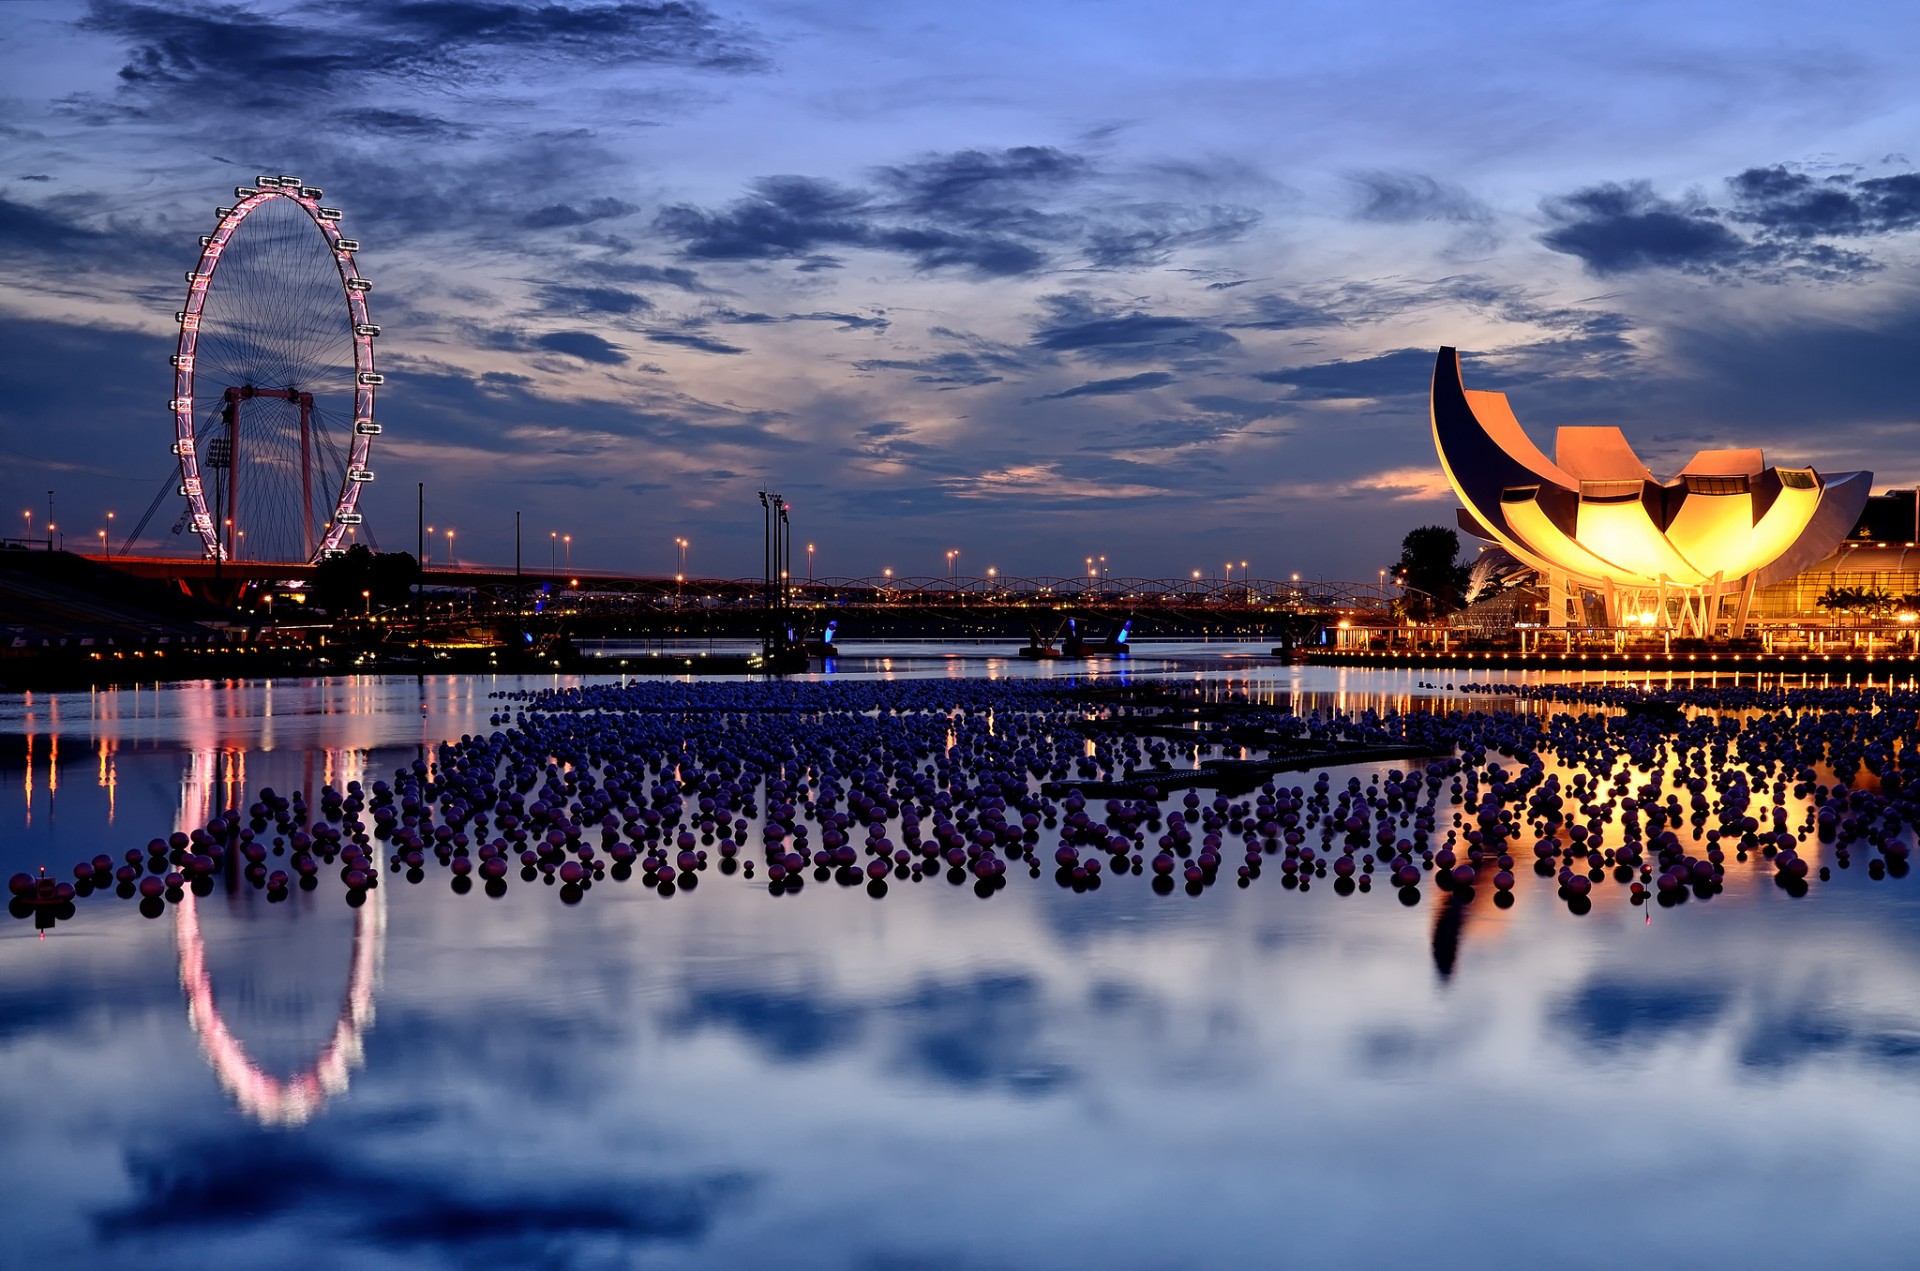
(228, 533)
(306, 476)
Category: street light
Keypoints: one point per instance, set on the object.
(450, 561)
(368, 597)
(427, 551)
(681, 543)
(567, 541)
(109, 536)
(953, 552)
(553, 550)
(809, 564)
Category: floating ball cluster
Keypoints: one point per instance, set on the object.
(879, 784)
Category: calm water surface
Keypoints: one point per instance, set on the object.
(727, 1079)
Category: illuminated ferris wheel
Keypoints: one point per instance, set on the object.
(274, 381)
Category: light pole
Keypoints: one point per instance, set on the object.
(426, 552)
(809, 566)
(553, 551)
(681, 543)
(103, 542)
(566, 540)
(1246, 580)
(368, 597)
(951, 553)
(109, 536)
(450, 560)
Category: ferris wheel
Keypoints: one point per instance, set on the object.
(274, 382)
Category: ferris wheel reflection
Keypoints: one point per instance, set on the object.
(215, 776)
(266, 1098)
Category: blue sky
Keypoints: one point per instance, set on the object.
(1159, 282)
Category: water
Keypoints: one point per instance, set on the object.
(1041, 1079)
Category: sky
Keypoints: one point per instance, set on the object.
(1150, 281)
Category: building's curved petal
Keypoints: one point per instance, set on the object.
(1842, 498)
(1624, 534)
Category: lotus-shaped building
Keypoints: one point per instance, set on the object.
(1593, 519)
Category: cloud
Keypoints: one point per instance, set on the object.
(566, 216)
(1080, 325)
(1030, 481)
(987, 213)
(1401, 198)
(1272, 312)
(1773, 227)
(694, 340)
(241, 56)
(1111, 387)
(1794, 204)
(1614, 229)
(1401, 373)
(562, 298)
(584, 345)
(405, 125)
(1409, 485)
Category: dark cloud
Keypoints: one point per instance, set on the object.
(985, 189)
(990, 213)
(584, 345)
(405, 125)
(608, 300)
(843, 321)
(1080, 325)
(1137, 235)
(566, 215)
(1401, 373)
(1273, 312)
(782, 217)
(629, 271)
(243, 57)
(1617, 229)
(946, 370)
(1794, 204)
(693, 340)
(1111, 387)
(1773, 226)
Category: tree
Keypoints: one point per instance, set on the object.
(338, 581)
(1432, 574)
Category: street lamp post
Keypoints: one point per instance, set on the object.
(566, 541)
(426, 552)
(951, 553)
(450, 561)
(809, 566)
(553, 551)
(109, 536)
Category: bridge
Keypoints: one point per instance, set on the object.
(603, 592)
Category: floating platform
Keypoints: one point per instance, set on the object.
(1235, 774)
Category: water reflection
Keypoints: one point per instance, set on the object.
(1044, 1079)
(270, 1099)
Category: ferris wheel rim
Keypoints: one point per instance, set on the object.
(354, 288)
